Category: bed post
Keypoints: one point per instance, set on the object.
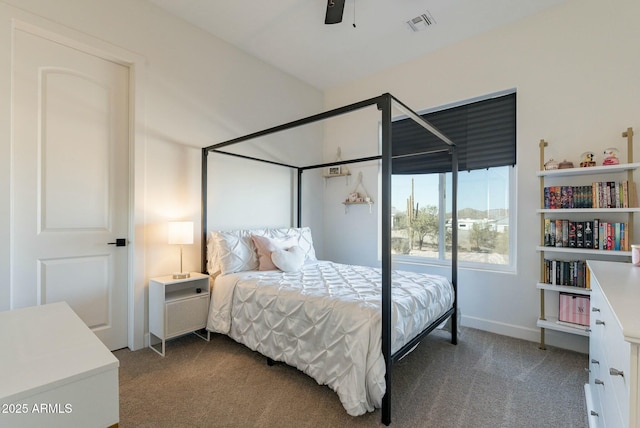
(384, 105)
(203, 219)
(299, 219)
(454, 243)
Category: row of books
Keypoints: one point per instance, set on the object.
(603, 194)
(565, 272)
(595, 234)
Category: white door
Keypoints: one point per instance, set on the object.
(70, 183)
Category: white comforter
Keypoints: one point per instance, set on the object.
(326, 321)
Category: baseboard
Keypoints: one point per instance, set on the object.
(557, 339)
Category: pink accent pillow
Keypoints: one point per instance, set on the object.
(265, 247)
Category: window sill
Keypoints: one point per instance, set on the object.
(462, 265)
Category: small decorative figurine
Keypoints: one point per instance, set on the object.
(551, 164)
(565, 164)
(611, 157)
(588, 159)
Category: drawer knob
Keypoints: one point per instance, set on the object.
(594, 413)
(594, 361)
(598, 382)
(616, 372)
(595, 310)
(599, 322)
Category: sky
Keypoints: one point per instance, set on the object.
(479, 189)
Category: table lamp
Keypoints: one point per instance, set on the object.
(180, 232)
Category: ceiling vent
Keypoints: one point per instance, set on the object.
(421, 22)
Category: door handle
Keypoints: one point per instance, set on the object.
(120, 242)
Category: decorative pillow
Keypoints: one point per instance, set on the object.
(265, 246)
(290, 260)
(302, 237)
(234, 251)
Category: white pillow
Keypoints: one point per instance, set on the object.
(265, 246)
(234, 251)
(301, 236)
(290, 260)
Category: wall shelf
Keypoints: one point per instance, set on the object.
(609, 169)
(346, 205)
(552, 323)
(563, 288)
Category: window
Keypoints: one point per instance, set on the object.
(422, 216)
(421, 227)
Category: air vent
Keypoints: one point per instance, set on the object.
(421, 22)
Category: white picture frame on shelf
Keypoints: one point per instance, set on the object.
(334, 170)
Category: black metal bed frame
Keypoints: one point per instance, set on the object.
(384, 103)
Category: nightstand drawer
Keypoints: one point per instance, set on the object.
(186, 315)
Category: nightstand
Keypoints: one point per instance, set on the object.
(177, 307)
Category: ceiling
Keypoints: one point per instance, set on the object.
(291, 34)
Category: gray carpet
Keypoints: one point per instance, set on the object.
(486, 380)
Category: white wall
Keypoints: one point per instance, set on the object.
(197, 91)
(575, 69)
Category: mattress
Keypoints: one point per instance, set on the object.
(325, 320)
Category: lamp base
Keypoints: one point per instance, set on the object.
(181, 275)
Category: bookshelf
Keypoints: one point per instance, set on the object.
(595, 207)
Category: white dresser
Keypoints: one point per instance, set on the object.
(613, 390)
(55, 372)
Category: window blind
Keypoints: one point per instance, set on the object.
(484, 133)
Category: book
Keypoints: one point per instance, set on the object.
(564, 196)
(547, 194)
(552, 198)
(565, 233)
(596, 236)
(547, 232)
(558, 232)
(579, 234)
(633, 195)
(572, 233)
(588, 234)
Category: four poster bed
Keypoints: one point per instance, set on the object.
(343, 325)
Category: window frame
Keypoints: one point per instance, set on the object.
(441, 261)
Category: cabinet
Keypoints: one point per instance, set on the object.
(613, 391)
(587, 180)
(177, 307)
(51, 358)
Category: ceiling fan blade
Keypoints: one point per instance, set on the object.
(335, 9)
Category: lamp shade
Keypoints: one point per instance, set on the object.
(180, 232)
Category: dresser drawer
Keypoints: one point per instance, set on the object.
(613, 353)
(618, 355)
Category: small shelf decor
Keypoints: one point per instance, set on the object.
(337, 170)
(359, 196)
